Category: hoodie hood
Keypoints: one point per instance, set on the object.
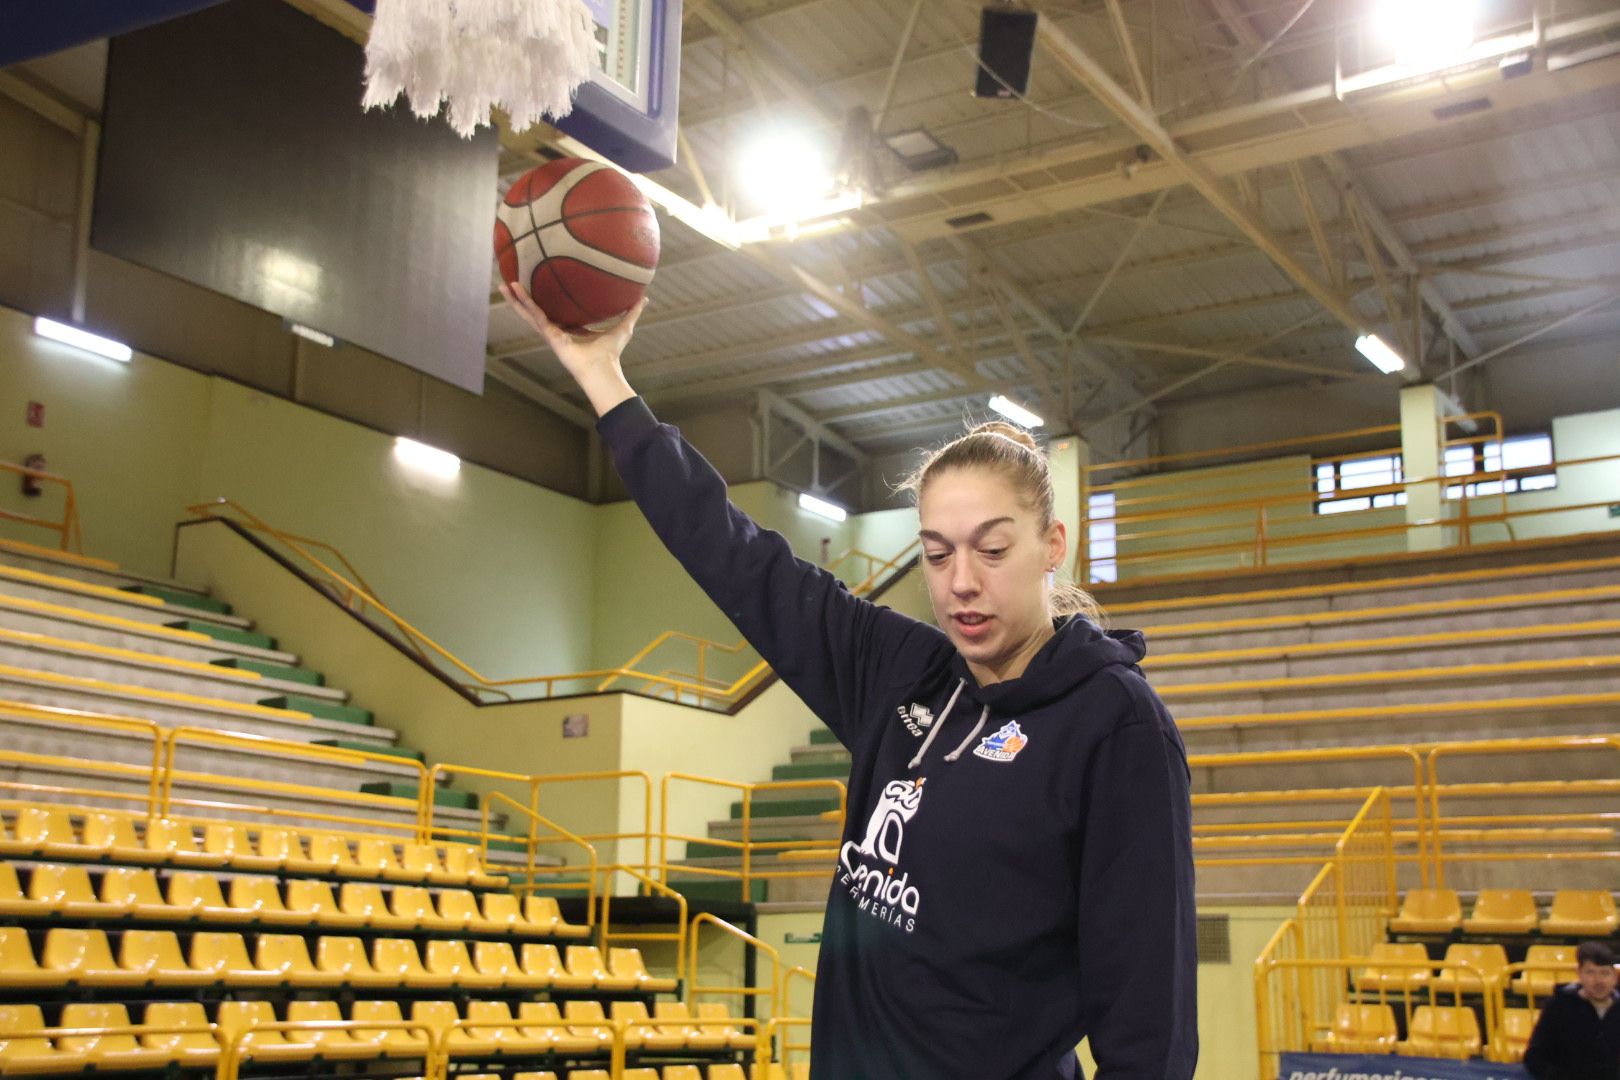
(1079, 649)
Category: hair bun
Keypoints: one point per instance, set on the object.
(1007, 431)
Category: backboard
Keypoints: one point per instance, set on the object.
(627, 111)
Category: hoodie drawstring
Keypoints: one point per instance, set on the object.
(929, 741)
(940, 723)
(974, 734)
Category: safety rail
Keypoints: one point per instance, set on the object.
(68, 530)
(1264, 520)
(748, 847)
(237, 1046)
(787, 1024)
(531, 869)
(80, 768)
(1500, 988)
(750, 994)
(606, 935)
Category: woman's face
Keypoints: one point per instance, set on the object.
(985, 560)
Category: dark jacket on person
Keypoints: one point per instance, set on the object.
(1016, 869)
(1570, 1040)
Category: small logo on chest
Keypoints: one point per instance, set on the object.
(917, 718)
(1004, 745)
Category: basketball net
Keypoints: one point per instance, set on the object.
(525, 56)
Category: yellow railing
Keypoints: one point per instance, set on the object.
(606, 935)
(747, 847)
(350, 589)
(766, 992)
(70, 536)
(1247, 523)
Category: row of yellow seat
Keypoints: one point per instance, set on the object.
(1574, 913)
(180, 1033)
(154, 958)
(50, 832)
(195, 896)
(1485, 965)
(1434, 1031)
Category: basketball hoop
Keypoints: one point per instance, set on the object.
(524, 56)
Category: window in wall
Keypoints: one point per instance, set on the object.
(1531, 452)
(1101, 550)
(1335, 478)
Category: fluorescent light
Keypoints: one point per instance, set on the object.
(1383, 357)
(785, 172)
(309, 333)
(1426, 33)
(82, 339)
(822, 507)
(425, 458)
(1015, 412)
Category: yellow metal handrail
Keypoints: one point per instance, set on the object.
(748, 846)
(531, 869)
(606, 934)
(693, 990)
(68, 530)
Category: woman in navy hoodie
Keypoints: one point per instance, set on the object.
(1016, 868)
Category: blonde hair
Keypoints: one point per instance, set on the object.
(1013, 453)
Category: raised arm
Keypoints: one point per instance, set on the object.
(830, 647)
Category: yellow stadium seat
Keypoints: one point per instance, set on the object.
(1582, 912)
(1542, 983)
(30, 1054)
(502, 912)
(284, 850)
(313, 900)
(440, 1015)
(727, 1071)
(197, 894)
(545, 917)
(541, 1021)
(420, 862)
(84, 957)
(714, 1011)
(12, 900)
(366, 902)
(330, 1043)
(1428, 911)
(391, 1042)
(398, 959)
(638, 1074)
(498, 960)
(333, 855)
(586, 1020)
(416, 904)
(459, 909)
(259, 898)
(1487, 960)
(288, 955)
(585, 961)
(1513, 1028)
(379, 858)
(156, 955)
(462, 865)
(48, 831)
(683, 1072)
(225, 958)
(1441, 1031)
(113, 837)
(135, 893)
(544, 1074)
(66, 891)
(234, 844)
(628, 964)
(1391, 979)
(589, 1074)
(542, 961)
(17, 964)
(1503, 911)
(1359, 1029)
(639, 1033)
(698, 1037)
(237, 1017)
(502, 1029)
(195, 1047)
(345, 959)
(176, 842)
(450, 958)
(112, 1051)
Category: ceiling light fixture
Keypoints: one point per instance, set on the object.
(1426, 33)
(426, 459)
(919, 149)
(786, 173)
(1015, 412)
(1382, 357)
(822, 508)
(309, 333)
(80, 338)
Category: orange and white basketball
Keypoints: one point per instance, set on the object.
(580, 238)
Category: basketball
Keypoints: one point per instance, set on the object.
(578, 237)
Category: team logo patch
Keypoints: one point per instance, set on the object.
(917, 718)
(1004, 744)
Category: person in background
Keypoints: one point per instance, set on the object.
(1577, 1036)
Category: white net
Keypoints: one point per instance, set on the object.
(526, 57)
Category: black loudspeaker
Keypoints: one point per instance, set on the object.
(1006, 43)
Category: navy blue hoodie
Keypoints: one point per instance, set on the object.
(1016, 868)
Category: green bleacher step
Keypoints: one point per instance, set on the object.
(325, 710)
(702, 891)
(225, 633)
(697, 849)
(497, 842)
(763, 808)
(274, 671)
(834, 770)
(181, 599)
(373, 748)
(460, 800)
(823, 737)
